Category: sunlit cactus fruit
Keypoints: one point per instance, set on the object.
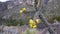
(34, 26)
(20, 11)
(32, 23)
(24, 9)
(37, 20)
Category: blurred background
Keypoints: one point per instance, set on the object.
(10, 17)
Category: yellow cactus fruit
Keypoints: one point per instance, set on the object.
(21, 11)
(31, 21)
(34, 26)
(37, 20)
(24, 9)
(31, 25)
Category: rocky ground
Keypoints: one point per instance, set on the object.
(22, 30)
(27, 30)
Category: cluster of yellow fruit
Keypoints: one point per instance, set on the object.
(22, 10)
(33, 23)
